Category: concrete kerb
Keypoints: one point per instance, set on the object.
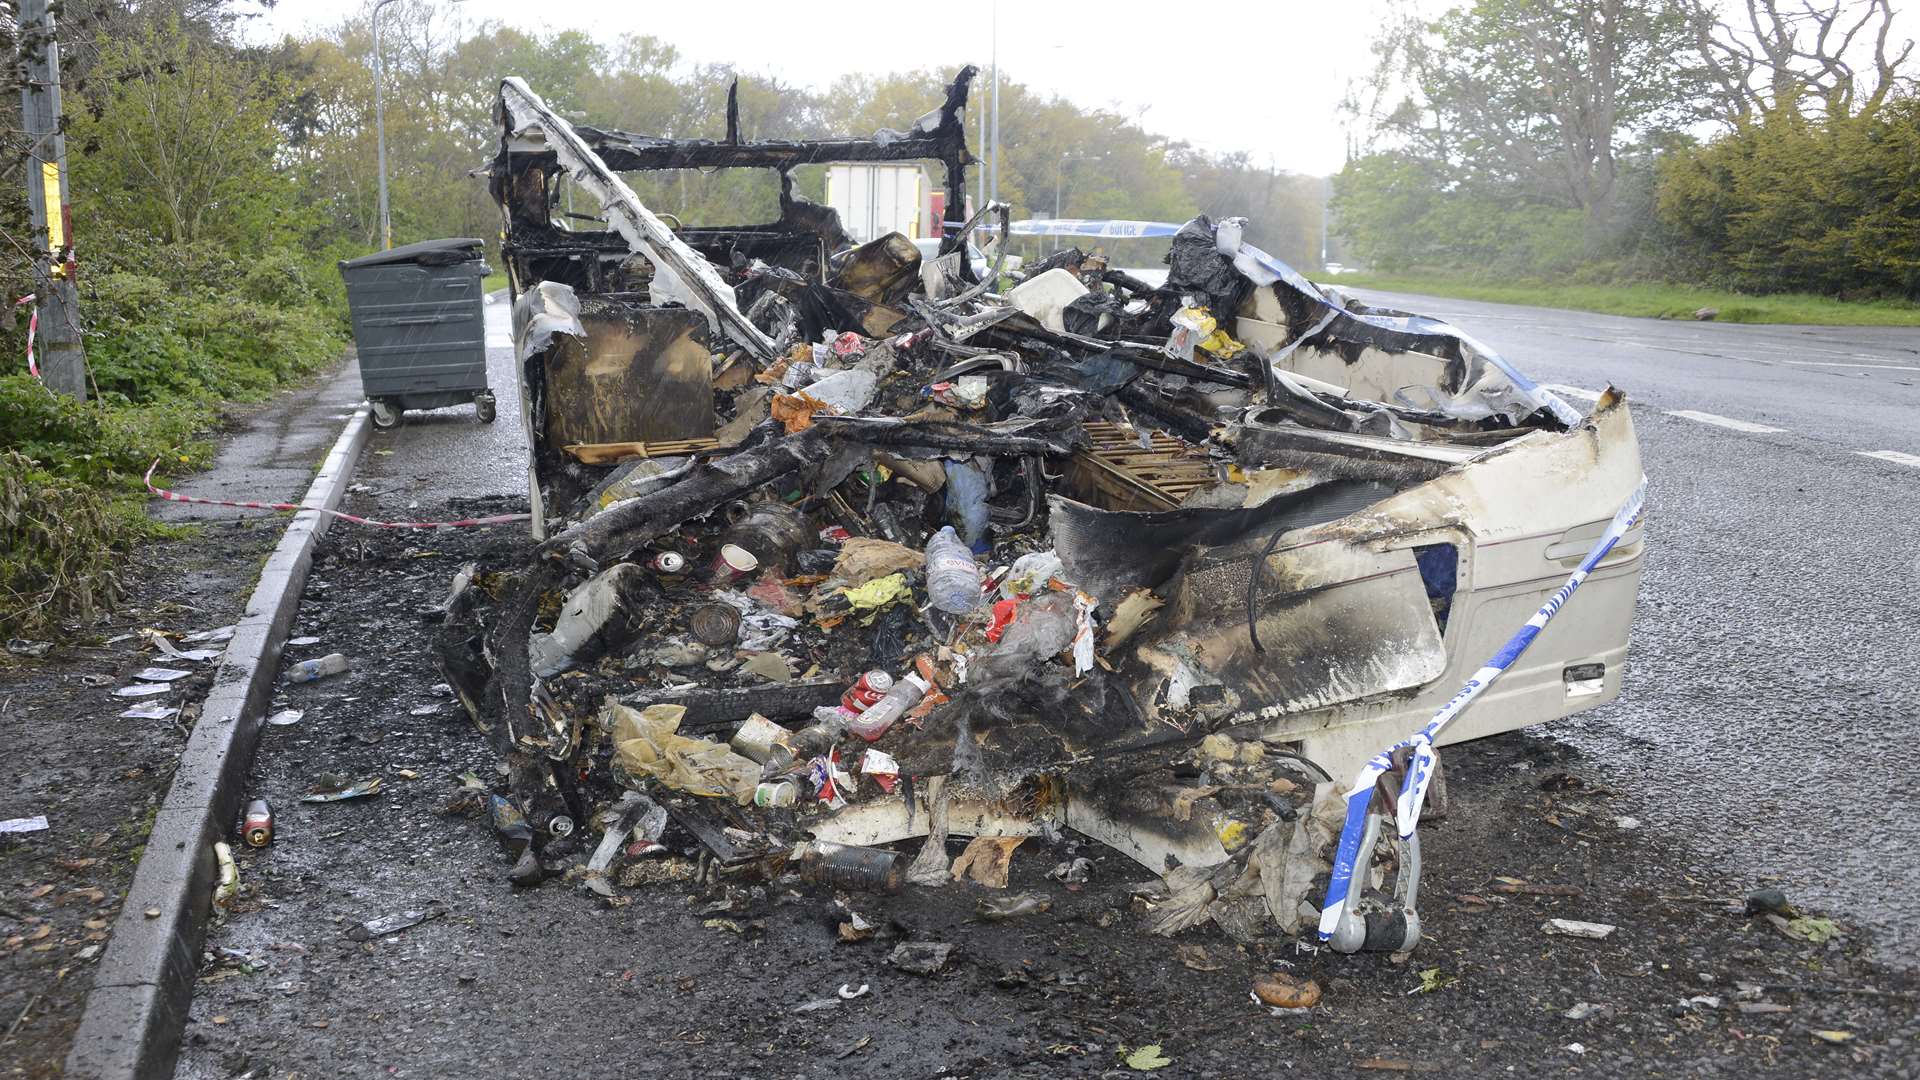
(136, 1011)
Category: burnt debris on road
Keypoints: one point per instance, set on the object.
(840, 546)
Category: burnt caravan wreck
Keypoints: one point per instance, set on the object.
(838, 546)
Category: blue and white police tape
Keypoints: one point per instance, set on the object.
(1424, 759)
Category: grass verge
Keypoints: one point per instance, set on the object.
(1649, 300)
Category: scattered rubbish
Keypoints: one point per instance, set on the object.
(1282, 991)
(307, 671)
(1591, 931)
(996, 908)
(814, 1005)
(227, 886)
(991, 549)
(303, 642)
(36, 823)
(166, 648)
(160, 674)
(920, 957)
(848, 993)
(1817, 931)
(218, 634)
(286, 717)
(1770, 902)
(1761, 1008)
(1076, 872)
(1626, 823)
(1834, 1037)
(1196, 957)
(424, 710)
(138, 690)
(843, 867)
(1575, 1048)
(24, 647)
(1431, 979)
(393, 924)
(151, 711)
(1581, 1010)
(987, 860)
(338, 790)
(257, 827)
(1145, 1058)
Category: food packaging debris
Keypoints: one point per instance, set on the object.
(1592, 931)
(1280, 990)
(393, 924)
(920, 957)
(864, 558)
(881, 767)
(226, 887)
(358, 790)
(878, 593)
(217, 634)
(149, 711)
(996, 908)
(1075, 872)
(987, 859)
(286, 717)
(142, 690)
(646, 742)
(831, 783)
(161, 674)
(36, 823)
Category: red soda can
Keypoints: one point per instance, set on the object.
(257, 829)
(867, 690)
(668, 562)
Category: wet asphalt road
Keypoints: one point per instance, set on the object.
(1771, 704)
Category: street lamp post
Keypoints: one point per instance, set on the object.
(380, 126)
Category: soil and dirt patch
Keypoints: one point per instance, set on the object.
(671, 978)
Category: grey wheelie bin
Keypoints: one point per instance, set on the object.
(419, 324)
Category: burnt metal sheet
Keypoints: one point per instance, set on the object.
(639, 375)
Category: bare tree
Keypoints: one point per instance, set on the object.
(1833, 57)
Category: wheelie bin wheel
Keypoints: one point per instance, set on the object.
(385, 413)
(483, 407)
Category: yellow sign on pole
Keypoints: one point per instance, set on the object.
(56, 220)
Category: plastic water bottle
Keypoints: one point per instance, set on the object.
(309, 670)
(880, 715)
(953, 578)
(967, 500)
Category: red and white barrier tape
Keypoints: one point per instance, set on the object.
(174, 496)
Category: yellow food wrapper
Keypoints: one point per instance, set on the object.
(647, 742)
(878, 593)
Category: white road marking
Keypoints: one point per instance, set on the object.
(1725, 422)
(1894, 456)
(1572, 391)
(1832, 363)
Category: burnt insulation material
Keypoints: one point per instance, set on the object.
(1112, 552)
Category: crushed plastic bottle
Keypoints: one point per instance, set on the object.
(967, 501)
(310, 670)
(953, 578)
(906, 693)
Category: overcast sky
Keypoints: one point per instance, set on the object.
(1263, 78)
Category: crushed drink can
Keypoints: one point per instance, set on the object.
(668, 562)
(257, 828)
(866, 691)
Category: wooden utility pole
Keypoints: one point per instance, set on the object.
(62, 356)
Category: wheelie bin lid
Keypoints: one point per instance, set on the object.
(426, 253)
